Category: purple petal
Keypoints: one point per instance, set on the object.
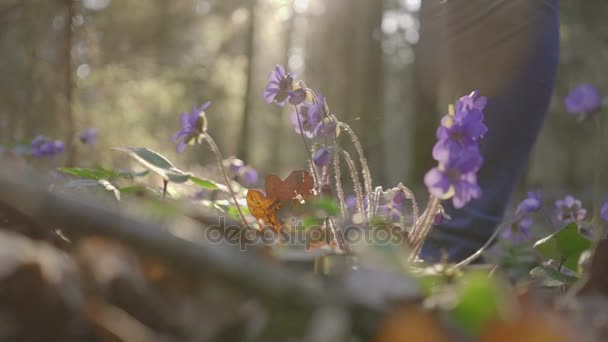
(181, 146)
(437, 182)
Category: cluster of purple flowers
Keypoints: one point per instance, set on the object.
(519, 231)
(311, 117)
(457, 152)
(569, 210)
(245, 174)
(193, 125)
(42, 146)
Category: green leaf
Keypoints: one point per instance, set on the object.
(567, 245)
(550, 277)
(86, 173)
(131, 175)
(481, 301)
(208, 184)
(100, 173)
(157, 163)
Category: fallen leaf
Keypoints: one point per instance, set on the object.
(288, 194)
(263, 208)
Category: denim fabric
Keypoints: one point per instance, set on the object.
(514, 117)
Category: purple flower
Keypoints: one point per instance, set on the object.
(43, 146)
(234, 164)
(461, 129)
(456, 177)
(583, 99)
(279, 86)
(518, 232)
(471, 102)
(321, 157)
(399, 198)
(88, 136)
(326, 128)
(310, 117)
(604, 211)
(297, 96)
(351, 202)
(193, 125)
(247, 175)
(569, 210)
(530, 204)
(457, 152)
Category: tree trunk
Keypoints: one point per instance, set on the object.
(69, 83)
(243, 146)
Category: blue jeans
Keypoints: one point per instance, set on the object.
(519, 88)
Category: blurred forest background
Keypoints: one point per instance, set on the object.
(131, 67)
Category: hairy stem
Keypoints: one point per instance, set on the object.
(376, 200)
(367, 177)
(356, 182)
(339, 189)
(218, 157)
(422, 229)
(596, 220)
(338, 238)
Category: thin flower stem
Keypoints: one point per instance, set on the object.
(367, 178)
(356, 182)
(596, 220)
(488, 243)
(308, 155)
(480, 251)
(218, 157)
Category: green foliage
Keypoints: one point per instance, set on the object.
(208, 184)
(565, 246)
(480, 301)
(156, 163)
(550, 277)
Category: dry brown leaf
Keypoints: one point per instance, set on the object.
(280, 194)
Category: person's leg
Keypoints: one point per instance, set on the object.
(514, 117)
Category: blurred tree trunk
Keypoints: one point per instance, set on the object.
(243, 145)
(69, 82)
(277, 136)
(345, 64)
